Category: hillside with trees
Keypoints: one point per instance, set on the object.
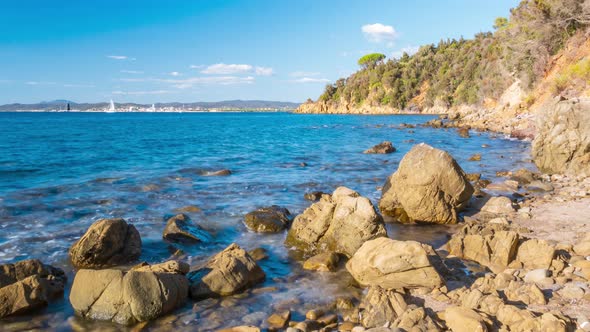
(507, 65)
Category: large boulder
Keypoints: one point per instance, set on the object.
(461, 319)
(107, 242)
(272, 219)
(492, 245)
(562, 143)
(227, 273)
(393, 264)
(28, 285)
(180, 228)
(340, 223)
(143, 293)
(428, 186)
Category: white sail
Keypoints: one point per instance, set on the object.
(112, 106)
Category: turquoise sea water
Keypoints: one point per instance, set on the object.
(59, 172)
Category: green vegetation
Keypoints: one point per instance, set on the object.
(579, 71)
(454, 72)
(371, 60)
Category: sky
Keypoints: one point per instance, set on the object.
(150, 51)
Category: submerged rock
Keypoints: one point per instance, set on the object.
(428, 186)
(271, 219)
(340, 223)
(381, 148)
(180, 228)
(324, 262)
(222, 172)
(28, 285)
(562, 143)
(227, 273)
(141, 294)
(393, 264)
(107, 242)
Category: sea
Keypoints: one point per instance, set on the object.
(60, 172)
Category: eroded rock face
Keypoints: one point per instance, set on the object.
(107, 242)
(28, 285)
(393, 264)
(143, 293)
(428, 186)
(340, 223)
(180, 228)
(562, 144)
(381, 148)
(492, 245)
(272, 219)
(227, 273)
(381, 306)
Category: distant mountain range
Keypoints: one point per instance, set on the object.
(61, 104)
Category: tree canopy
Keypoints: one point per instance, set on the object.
(371, 60)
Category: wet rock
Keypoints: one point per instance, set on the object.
(324, 262)
(463, 132)
(535, 254)
(314, 314)
(472, 177)
(394, 264)
(539, 186)
(381, 306)
(508, 185)
(381, 148)
(243, 328)
(491, 245)
(340, 223)
(271, 219)
(524, 176)
(227, 273)
(107, 242)
(313, 196)
(143, 293)
(279, 320)
(475, 157)
(223, 172)
(498, 205)
(429, 186)
(28, 285)
(258, 254)
(436, 123)
(563, 137)
(460, 319)
(188, 209)
(180, 228)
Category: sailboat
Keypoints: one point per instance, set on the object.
(111, 108)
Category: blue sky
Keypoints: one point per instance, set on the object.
(187, 50)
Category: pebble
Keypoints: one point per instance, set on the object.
(536, 275)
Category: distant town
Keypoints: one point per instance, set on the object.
(113, 107)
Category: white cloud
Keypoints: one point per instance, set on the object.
(223, 69)
(131, 72)
(311, 80)
(379, 33)
(233, 69)
(185, 83)
(79, 86)
(139, 93)
(120, 57)
(175, 73)
(411, 50)
(264, 71)
(39, 83)
(304, 74)
(196, 66)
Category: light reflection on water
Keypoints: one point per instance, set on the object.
(61, 172)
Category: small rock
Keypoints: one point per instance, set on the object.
(537, 275)
(381, 148)
(463, 132)
(188, 209)
(258, 254)
(314, 314)
(461, 319)
(475, 157)
(571, 292)
(324, 262)
(498, 205)
(501, 220)
(181, 229)
(279, 320)
(271, 219)
(223, 172)
(313, 196)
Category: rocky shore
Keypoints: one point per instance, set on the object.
(519, 261)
